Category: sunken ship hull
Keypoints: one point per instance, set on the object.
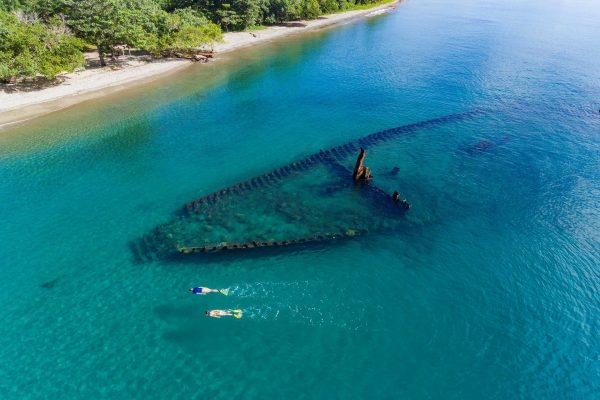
(309, 201)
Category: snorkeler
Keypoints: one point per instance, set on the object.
(204, 290)
(400, 202)
(224, 313)
(360, 171)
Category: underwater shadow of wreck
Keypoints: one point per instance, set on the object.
(163, 243)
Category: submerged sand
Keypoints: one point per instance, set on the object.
(18, 106)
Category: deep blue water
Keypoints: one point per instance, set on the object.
(490, 289)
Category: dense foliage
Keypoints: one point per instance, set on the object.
(47, 36)
(31, 48)
(243, 14)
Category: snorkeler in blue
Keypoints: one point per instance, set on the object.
(204, 290)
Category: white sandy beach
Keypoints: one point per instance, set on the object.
(18, 106)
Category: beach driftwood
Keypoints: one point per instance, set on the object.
(199, 55)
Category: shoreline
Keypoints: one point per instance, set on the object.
(239, 40)
(22, 106)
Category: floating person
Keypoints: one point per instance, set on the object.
(204, 290)
(224, 313)
(361, 173)
(401, 202)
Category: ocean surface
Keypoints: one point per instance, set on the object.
(488, 289)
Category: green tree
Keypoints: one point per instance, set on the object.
(329, 6)
(249, 12)
(28, 49)
(310, 9)
(172, 5)
(43, 9)
(10, 5)
(282, 10)
(185, 30)
(107, 23)
(234, 14)
(191, 37)
(227, 16)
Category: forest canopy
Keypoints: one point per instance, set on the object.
(48, 37)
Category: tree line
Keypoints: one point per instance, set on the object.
(48, 37)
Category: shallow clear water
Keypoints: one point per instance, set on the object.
(490, 290)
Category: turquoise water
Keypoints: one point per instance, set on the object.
(489, 290)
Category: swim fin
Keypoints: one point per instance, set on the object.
(237, 313)
(224, 291)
